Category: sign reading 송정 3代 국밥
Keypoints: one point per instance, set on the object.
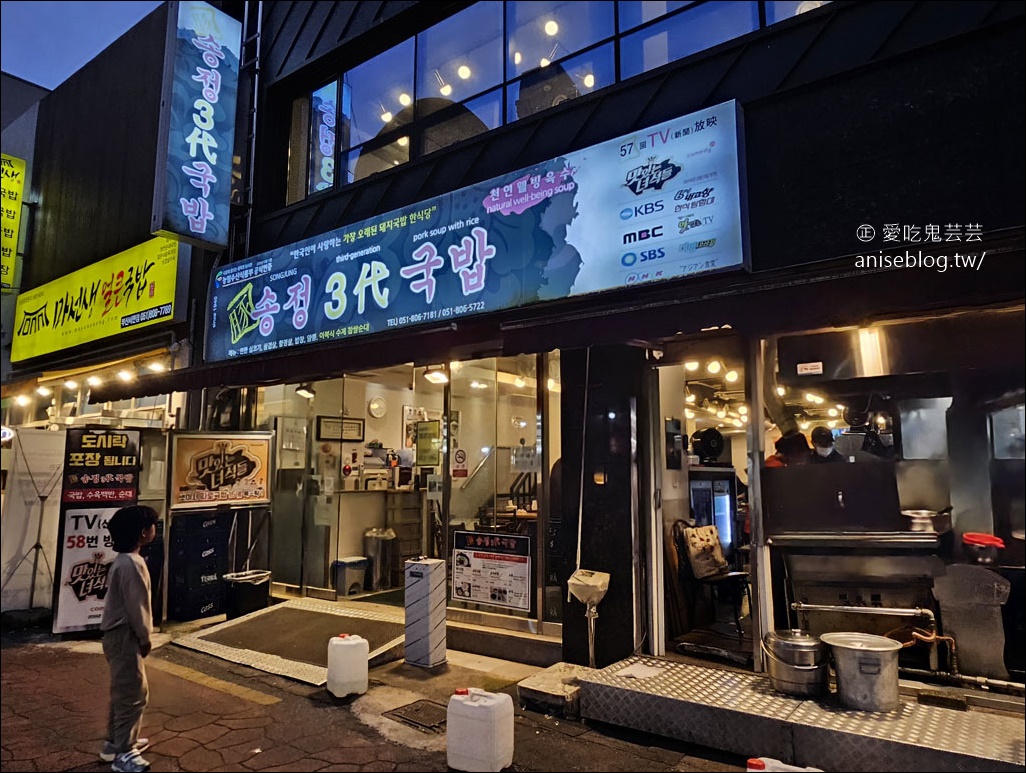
(659, 204)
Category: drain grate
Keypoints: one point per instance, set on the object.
(426, 716)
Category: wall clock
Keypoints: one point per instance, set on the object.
(377, 407)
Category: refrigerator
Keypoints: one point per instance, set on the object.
(714, 502)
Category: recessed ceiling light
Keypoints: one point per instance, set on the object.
(70, 384)
(731, 376)
(405, 100)
(589, 81)
(691, 365)
(43, 391)
(157, 367)
(551, 28)
(463, 71)
(94, 381)
(714, 367)
(781, 391)
(22, 400)
(126, 375)
(516, 57)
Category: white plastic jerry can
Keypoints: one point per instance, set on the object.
(479, 731)
(347, 665)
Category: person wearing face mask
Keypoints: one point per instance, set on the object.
(823, 447)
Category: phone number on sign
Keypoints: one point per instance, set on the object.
(427, 316)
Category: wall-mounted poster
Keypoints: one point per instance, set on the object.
(101, 466)
(86, 555)
(429, 443)
(412, 414)
(492, 569)
(217, 469)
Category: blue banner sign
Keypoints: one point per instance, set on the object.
(660, 204)
(194, 168)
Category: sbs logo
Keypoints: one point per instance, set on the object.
(629, 258)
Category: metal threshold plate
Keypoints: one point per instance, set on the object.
(426, 716)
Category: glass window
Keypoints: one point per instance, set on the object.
(778, 11)
(542, 32)
(637, 12)
(462, 121)
(696, 29)
(299, 133)
(552, 85)
(374, 95)
(462, 55)
(376, 157)
(323, 114)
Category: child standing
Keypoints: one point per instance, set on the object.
(127, 624)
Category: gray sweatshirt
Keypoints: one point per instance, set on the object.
(128, 597)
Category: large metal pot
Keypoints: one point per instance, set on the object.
(797, 662)
(867, 670)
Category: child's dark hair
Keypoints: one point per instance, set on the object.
(127, 525)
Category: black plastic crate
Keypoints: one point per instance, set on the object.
(200, 523)
(198, 577)
(188, 606)
(199, 548)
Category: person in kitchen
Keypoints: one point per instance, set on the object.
(792, 449)
(823, 447)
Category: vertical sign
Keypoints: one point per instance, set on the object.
(13, 189)
(323, 114)
(192, 194)
(101, 474)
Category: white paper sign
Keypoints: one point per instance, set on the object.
(87, 556)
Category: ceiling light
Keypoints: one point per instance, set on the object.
(689, 414)
(551, 28)
(804, 425)
(478, 385)
(589, 81)
(519, 382)
(69, 384)
(544, 62)
(738, 423)
(781, 391)
(714, 367)
(721, 413)
(22, 400)
(454, 366)
(690, 399)
(306, 390)
(402, 142)
(436, 374)
(742, 409)
(840, 407)
(832, 412)
(443, 88)
(731, 376)
(831, 424)
(744, 418)
(94, 381)
(44, 391)
(157, 367)
(485, 450)
(386, 117)
(551, 384)
(691, 365)
(516, 57)
(811, 398)
(405, 100)
(463, 71)
(126, 375)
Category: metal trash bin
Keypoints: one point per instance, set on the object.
(349, 575)
(379, 545)
(246, 592)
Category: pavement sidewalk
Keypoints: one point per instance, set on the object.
(206, 714)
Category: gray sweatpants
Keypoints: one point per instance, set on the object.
(128, 688)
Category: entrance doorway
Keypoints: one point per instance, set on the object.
(701, 457)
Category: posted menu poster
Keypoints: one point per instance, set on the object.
(492, 569)
(101, 475)
(212, 470)
(659, 204)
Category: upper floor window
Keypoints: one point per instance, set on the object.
(490, 64)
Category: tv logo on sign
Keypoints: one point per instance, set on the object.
(630, 258)
(645, 233)
(648, 208)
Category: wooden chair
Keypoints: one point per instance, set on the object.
(734, 584)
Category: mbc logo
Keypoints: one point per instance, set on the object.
(645, 233)
(630, 258)
(648, 208)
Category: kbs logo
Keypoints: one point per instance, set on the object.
(651, 175)
(645, 233)
(630, 258)
(648, 208)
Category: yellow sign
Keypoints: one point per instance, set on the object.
(130, 290)
(208, 470)
(13, 189)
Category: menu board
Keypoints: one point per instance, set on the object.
(492, 569)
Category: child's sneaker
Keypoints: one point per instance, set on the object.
(109, 752)
(130, 762)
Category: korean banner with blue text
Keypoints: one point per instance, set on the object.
(660, 204)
